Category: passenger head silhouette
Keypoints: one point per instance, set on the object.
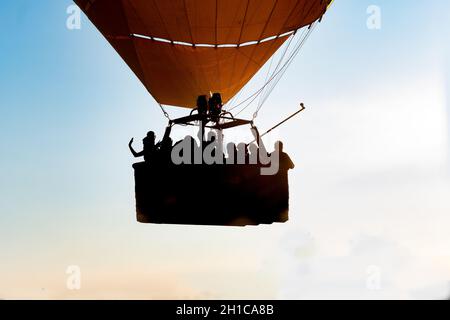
(167, 143)
(150, 138)
(202, 105)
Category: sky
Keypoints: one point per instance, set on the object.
(369, 194)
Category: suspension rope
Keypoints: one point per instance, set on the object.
(264, 92)
(262, 98)
(268, 71)
(275, 83)
(277, 74)
(164, 111)
(267, 81)
(278, 64)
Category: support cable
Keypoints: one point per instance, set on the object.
(276, 76)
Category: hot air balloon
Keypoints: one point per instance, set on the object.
(198, 54)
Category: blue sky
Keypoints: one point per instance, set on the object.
(370, 188)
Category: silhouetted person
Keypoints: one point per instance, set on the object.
(149, 147)
(215, 104)
(166, 144)
(285, 161)
(202, 105)
(165, 151)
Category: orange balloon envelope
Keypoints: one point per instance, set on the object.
(181, 49)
